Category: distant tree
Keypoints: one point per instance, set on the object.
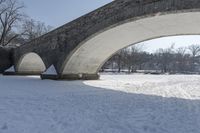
(194, 51)
(165, 58)
(143, 58)
(134, 57)
(33, 29)
(181, 60)
(10, 16)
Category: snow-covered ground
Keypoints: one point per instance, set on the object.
(114, 104)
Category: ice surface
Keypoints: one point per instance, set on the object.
(114, 104)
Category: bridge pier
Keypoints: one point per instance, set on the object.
(19, 74)
(27, 73)
(79, 77)
(12, 71)
(71, 77)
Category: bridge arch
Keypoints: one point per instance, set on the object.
(79, 48)
(91, 54)
(30, 63)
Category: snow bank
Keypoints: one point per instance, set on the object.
(51, 71)
(11, 69)
(114, 104)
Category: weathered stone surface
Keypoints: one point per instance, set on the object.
(5, 59)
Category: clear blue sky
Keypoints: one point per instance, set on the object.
(59, 12)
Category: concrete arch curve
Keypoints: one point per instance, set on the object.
(30, 63)
(90, 55)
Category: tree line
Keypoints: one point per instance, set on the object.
(15, 26)
(184, 60)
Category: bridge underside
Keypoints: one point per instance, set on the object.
(88, 58)
(30, 64)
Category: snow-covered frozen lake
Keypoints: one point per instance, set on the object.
(114, 104)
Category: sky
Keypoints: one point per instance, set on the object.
(58, 12)
(166, 42)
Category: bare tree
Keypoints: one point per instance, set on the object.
(10, 15)
(195, 51)
(181, 60)
(165, 58)
(118, 59)
(33, 29)
(136, 57)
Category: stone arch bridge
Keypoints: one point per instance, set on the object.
(78, 49)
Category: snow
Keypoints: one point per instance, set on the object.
(174, 85)
(11, 69)
(51, 70)
(114, 104)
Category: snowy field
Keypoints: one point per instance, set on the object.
(114, 104)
